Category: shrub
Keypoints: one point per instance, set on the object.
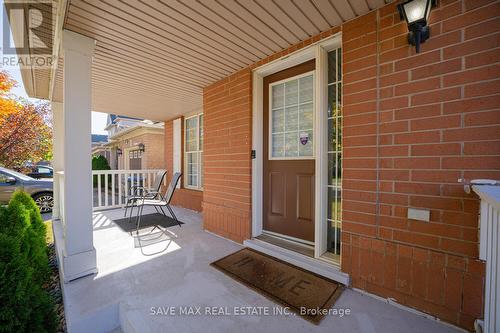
(24, 304)
(99, 162)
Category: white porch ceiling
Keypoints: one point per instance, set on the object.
(153, 57)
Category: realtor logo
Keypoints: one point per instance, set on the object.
(32, 35)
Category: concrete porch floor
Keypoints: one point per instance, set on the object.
(176, 272)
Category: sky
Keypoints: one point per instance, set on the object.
(98, 118)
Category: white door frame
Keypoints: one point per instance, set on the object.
(318, 51)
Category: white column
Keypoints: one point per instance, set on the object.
(79, 253)
(58, 151)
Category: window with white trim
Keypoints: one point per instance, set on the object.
(291, 118)
(193, 152)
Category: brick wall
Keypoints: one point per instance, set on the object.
(437, 121)
(227, 145)
(183, 197)
(413, 124)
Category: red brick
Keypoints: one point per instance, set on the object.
(472, 300)
(394, 103)
(482, 148)
(472, 134)
(417, 112)
(436, 176)
(471, 17)
(482, 28)
(482, 89)
(436, 96)
(417, 188)
(416, 239)
(436, 69)
(417, 60)
(392, 79)
(459, 247)
(473, 75)
(417, 137)
(456, 262)
(418, 86)
(436, 202)
(483, 58)
(472, 46)
(483, 162)
(435, 123)
(442, 149)
(417, 163)
(453, 289)
(472, 104)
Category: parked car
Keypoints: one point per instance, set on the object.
(40, 190)
(41, 171)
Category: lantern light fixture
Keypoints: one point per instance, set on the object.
(119, 151)
(416, 13)
(142, 148)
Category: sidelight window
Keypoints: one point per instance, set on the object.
(334, 151)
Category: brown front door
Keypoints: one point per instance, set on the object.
(288, 194)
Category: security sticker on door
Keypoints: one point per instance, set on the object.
(304, 138)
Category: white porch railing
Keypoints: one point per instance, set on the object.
(111, 187)
(489, 251)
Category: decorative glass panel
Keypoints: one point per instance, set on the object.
(291, 119)
(278, 95)
(334, 218)
(291, 147)
(306, 89)
(291, 92)
(278, 146)
(306, 116)
(292, 125)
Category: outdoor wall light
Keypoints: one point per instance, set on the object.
(142, 147)
(119, 151)
(416, 13)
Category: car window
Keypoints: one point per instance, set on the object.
(3, 178)
(13, 173)
(43, 170)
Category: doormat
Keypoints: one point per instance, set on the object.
(147, 221)
(303, 292)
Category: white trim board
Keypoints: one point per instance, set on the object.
(177, 148)
(316, 51)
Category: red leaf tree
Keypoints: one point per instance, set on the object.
(25, 128)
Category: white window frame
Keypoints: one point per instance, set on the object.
(198, 151)
(270, 118)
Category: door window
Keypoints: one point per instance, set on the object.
(291, 118)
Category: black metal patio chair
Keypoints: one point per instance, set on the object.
(141, 192)
(160, 202)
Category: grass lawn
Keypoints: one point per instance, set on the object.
(49, 237)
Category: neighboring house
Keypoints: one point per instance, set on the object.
(134, 143)
(99, 142)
